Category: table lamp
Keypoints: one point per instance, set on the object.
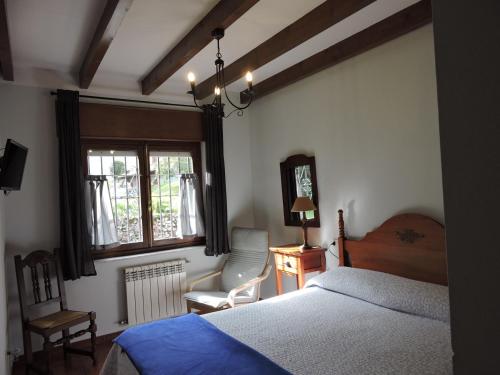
(304, 204)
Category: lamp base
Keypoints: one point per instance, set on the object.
(304, 248)
(305, 245)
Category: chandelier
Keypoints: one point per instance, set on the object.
(220, 85)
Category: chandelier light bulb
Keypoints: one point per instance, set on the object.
(191, 77)
(249, 77)
(217, 91)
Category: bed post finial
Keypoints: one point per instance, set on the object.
(341, 224)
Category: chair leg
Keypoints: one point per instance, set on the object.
(93, 330)
(66, 344)
(28, 350)
(47, 347)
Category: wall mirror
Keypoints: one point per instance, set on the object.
(298, 179)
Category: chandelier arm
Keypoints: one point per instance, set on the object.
(234, 105)
(239, 111)
(195, 102)
(229, 100)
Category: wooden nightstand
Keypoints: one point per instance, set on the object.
(290, 261)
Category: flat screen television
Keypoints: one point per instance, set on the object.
(12, 166)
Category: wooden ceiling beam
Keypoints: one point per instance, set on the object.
(317, 20)
(388, 29)
(111, 19)
(220, 16)
(6, 66)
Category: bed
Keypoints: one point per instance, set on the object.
(384, 311)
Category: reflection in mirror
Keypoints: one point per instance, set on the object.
(298, 179)
(303, 185)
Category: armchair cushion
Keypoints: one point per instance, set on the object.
(216, 299)
(248, 257)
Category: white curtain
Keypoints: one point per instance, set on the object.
(101, 223)
(191, 221)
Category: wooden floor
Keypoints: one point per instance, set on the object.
(77, 365)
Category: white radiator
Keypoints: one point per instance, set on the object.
(155, 291)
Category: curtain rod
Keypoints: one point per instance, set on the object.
(53, 93)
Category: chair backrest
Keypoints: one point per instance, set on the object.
(248, 258)
(49, 264)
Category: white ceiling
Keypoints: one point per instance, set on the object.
(49, 39)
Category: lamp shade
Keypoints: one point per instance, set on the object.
(303, 204)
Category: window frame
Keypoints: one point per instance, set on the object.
(143, 149)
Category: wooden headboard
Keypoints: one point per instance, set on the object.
(408, 245)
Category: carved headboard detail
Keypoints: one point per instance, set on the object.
(408, 245)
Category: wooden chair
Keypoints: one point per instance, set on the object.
(246, 267)
(60, 321)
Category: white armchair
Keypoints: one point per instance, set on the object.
(241, 275)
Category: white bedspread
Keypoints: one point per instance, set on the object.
(320, 331)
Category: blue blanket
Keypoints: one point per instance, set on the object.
(191, 345)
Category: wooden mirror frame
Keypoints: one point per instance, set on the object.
(293, 218)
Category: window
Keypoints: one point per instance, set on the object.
(121, 169)
(165, 169)
(144, 184)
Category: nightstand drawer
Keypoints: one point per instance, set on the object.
(286, 263)
(311, 262)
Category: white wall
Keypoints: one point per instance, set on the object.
(28, 116)
(372, 124)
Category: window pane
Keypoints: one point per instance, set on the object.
(107, 165)
(166, 168)
(153, 165)
(121, 220)
(133, 186)
(184, 165)
(165, 185)
(120, 186)
(174, 215)
(157, 226)
(174, 166)
(131, 165)
(174, 185)
(94, 163)
(155, 185)
(134, 221)
(119, 165)
(163, 165)
(122, 172)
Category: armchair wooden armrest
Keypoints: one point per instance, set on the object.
(234, 292)
(203, 278)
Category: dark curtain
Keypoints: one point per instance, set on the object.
(216, 205)
(75, 253)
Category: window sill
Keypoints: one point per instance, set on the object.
(109, 255)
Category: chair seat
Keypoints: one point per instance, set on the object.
(58, 319)
(216, 299)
